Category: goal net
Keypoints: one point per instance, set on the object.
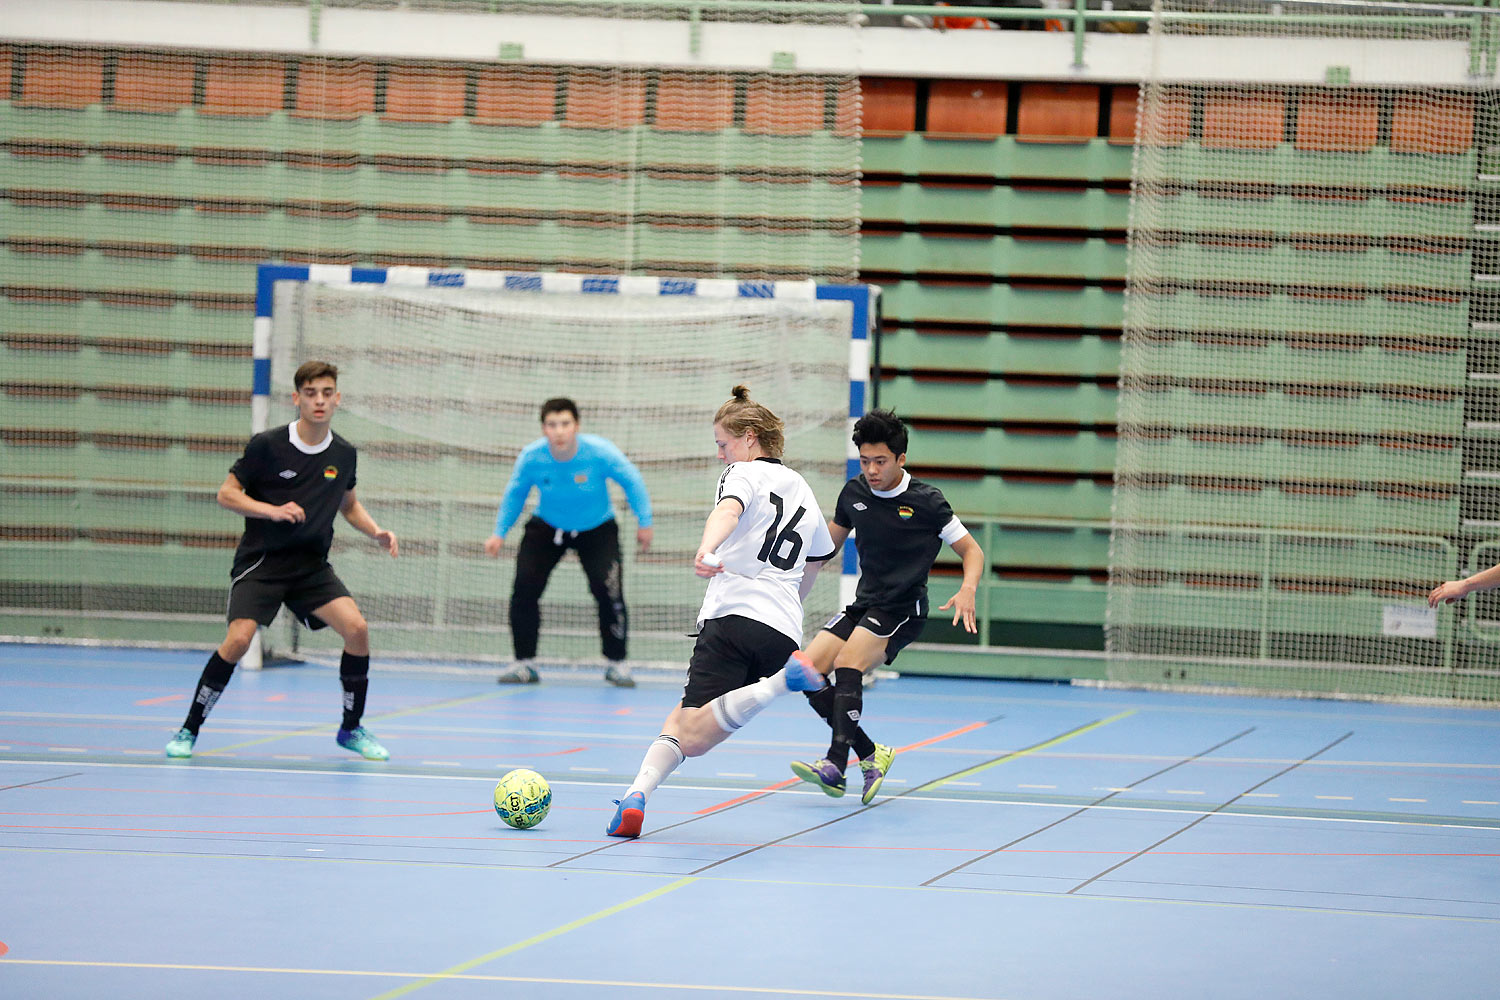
(442, 377)
(1308, 413)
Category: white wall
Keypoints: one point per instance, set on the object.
(870, 51)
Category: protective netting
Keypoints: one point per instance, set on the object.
(1308, 420)
(141, 188)
(442, 388)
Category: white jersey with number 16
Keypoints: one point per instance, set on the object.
(764, 557)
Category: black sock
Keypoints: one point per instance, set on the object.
(822, 703)
(848, 699)
(354, 674)
(211, 684)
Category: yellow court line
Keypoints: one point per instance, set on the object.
(940, 782)
(463, 967)
(471, 977)
(319, 730)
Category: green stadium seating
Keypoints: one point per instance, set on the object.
(1019, 496)
(1039, 353)
(999, 256)
(910, 301)
(1017, 448)
(993, 203)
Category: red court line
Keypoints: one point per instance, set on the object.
(792, 781)
(747, 796)
(162, 700)
(946, 736)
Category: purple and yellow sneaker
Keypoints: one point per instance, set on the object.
(823, 773)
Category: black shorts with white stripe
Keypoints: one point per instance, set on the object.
(899, 627)
(301, 580)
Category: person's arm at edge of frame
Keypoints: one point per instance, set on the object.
(1457, 590)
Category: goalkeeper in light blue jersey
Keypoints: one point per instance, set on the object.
(570, 472)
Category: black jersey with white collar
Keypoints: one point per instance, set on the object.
(898, 534)
(275, 469)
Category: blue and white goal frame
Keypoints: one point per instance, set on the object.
(863, 300)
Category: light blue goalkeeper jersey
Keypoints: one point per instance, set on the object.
(573, 495)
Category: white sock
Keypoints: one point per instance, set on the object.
(662, 758)
(733, 710)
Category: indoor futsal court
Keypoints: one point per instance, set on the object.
(1033, 841)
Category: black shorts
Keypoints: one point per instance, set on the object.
(899, 628)
(303, 584)
(731, 652)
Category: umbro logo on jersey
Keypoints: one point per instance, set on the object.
(860, 506)
(288, 473)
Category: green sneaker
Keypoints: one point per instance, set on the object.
(361, 742)
(181, 745)
(876, 768)
(822, 773)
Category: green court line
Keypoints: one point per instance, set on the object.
(463, 967)
(385, 717)
(940, 782)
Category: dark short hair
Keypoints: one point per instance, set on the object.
(559, 404)
(881, 427)
(310, 370)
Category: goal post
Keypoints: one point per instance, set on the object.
(442, 373)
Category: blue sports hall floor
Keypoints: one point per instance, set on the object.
(1034, 841)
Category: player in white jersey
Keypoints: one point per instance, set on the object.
(763, 530)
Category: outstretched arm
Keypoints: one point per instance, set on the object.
(354, 512)
(1457, 590)
(623, 471)
(511, 502)
(962, 602)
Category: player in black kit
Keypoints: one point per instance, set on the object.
(899, 524)
(289, 484)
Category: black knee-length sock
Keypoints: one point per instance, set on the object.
(848, 700)
(354, 674)
(822, 703)
(211, 684)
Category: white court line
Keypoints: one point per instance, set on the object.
(1480, 802)
(733, 774)
(66, 750)
(1220, 814)
(591, 770)
(1036, 786)
(1335, 798)
(1185, 791)
(1406, 800)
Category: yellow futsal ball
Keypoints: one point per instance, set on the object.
(522, 798)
